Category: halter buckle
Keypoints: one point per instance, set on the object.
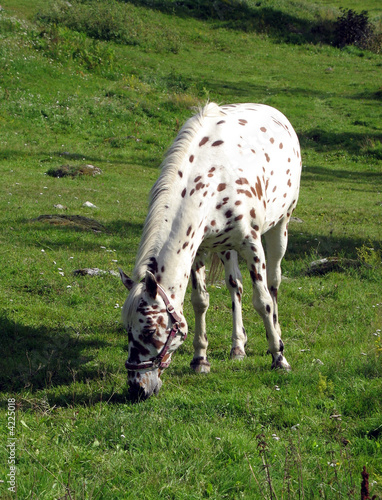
(170, 309)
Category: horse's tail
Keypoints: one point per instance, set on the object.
(216, 269)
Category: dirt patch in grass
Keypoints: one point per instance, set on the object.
(93, 271)
(75, 221)
(330, 264)
(74, 171)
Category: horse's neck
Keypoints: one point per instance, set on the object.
(180, 230)
(175, 259)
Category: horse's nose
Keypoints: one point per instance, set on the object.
(137, 392)
(140, 391)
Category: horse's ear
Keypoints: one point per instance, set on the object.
(129, 283)
(151, 284)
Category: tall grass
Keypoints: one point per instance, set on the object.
(114, 21)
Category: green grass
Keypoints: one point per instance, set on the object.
(69, 98)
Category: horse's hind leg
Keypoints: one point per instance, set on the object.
(253, 253)
(234, 284)
(200, 301)
(276, 240)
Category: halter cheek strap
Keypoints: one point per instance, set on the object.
(170, 308)
(158, 362)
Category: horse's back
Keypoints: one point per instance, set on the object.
(246, 161)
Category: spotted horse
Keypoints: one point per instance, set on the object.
(231, 176)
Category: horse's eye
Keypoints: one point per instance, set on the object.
(148, 333)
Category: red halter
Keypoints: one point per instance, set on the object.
(158, 362)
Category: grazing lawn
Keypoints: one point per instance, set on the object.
(109, 84)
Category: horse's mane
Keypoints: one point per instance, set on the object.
(159, 196)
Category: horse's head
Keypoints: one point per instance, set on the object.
(155, 330)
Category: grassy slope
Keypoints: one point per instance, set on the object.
(62, 347)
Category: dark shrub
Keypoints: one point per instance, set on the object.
(353, 29)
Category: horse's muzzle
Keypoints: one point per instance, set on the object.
(139, 392)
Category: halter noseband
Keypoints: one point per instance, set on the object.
(158, 362)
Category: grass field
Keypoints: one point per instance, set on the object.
(109, 84)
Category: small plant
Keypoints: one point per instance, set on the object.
(378, 347)
(325, 387)
(369, 256)
(262, 447)
(365, 495)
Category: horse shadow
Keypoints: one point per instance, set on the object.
(52, 367)
(35, 358)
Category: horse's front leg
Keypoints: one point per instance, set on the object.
(234, 284)
(200, 301)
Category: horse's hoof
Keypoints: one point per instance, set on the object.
(279, 362)
(237, 353)
(200, 365)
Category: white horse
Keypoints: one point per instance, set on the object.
(231, 175)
